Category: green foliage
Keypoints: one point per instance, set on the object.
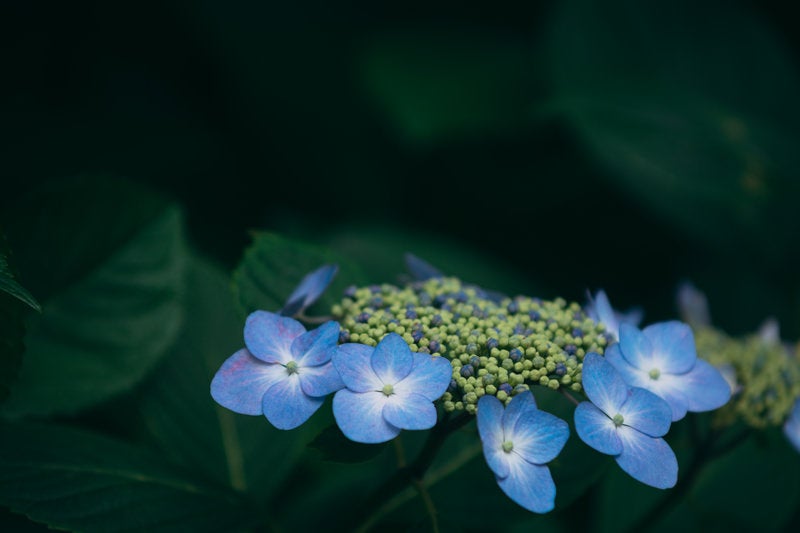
(273, 266)
(335, 447)
(704, 141)
(112, 301)
(79, 480)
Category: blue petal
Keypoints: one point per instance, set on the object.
(360, 416)
(320, 380)
(673, 347)
(647, 412)
(538, 437)
(490, 430)
(635, 347)
(672, 389)
(352, 361)
(633, 377)
(286, 406)
(309, 290)
(242, 380)
(430, 376)
(530, 486)
(316, 346)
(602, 384)
(269, 336)
(519, 404)
(421, 270)
(392, 360)
(596, 429)
(791, 428)
(647, 459)
(600, 310)
(409, 411)
(693, 305)
(705, 387)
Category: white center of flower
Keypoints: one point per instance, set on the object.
(388, 390)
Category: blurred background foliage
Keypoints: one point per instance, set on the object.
(543, 148)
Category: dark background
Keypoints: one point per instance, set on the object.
(626, 146)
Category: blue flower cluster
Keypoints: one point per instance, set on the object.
(647, 380)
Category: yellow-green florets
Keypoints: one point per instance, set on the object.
(498, 347)
(764, 376)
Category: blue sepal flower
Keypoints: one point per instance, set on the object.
(791, 428)
(309, 290)
(283, 373)
(627, 423)
(389, 388)
(420, 269)
(518, 442)
(662, 358)
(599, 309)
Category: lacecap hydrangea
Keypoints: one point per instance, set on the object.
(435, 351)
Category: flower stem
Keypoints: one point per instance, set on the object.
(412, 474)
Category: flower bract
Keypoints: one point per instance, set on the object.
(389, 388)
(283, 373)
(518, 442)
(662, 358)
(309, 290)
(627, 423)
(791, 428)
(599, 309)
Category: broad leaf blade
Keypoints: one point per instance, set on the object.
(83, 481)
(102, 332)
(8, 282)
(273, 266)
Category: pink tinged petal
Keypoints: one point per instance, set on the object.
(674, 350)
(392, 359)
(430, 376)
(519, 405)
(286, 406)
(602, 384)
(352, 361)
(647, 459)
(316, 346)
(632, 376)
(538, 437)
(705, 387)
(647, 413)
(360, 416)
(671, 389)
(269, 336)
(242, 380)
(409, 411)
(530, 486)
(635, 347)
(320, 380)
(490, 430)
(596, 429)
(309, 290)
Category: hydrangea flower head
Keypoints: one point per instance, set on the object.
(283, 373)
(309, 290)
(389, 388)
(600, 310)
(627, 423)
(662, 358)
(518, 442)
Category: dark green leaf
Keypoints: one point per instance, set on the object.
(244, 452)
(337, 448)
(8, 282)
(434, 87)
(273, 266)
(112, 308)
(82, 481)
(12, 333)
(696, 119)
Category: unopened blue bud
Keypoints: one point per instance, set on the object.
(436, 320)
(515, 354)
(505, 387)
(561, 369)
(411, 314)
(434, 346)
(344, 336)
(362, 318)
(467, 371)
(534, 315)
(475, 361)
(492, 343)
(577, 332)
(350, 292)
(417, 335)
(571, 349)
(513, 307)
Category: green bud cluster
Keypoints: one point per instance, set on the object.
(767, 377)
(495, 347)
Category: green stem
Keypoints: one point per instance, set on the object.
(413, 473)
